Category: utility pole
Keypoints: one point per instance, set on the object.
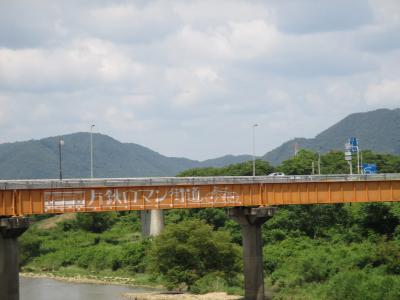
(91, 151)
(254, 149)
(60, 144)
(319, 163)
(296, 148)
(351, 167)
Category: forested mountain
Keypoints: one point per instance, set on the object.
(40, 159)
(377, 130)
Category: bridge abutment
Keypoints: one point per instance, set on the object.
(10, 230)
(152, 222)
(251, 220)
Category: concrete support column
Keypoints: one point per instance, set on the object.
(10, 230)
(251, 220)
(152, 222)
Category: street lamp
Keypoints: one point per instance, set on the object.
(60, 144)
(319, 163)
(91, 150)
(254, 149)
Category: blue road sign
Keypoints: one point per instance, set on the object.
(370, 169)
(354, 142)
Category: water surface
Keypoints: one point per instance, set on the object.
(50, 289)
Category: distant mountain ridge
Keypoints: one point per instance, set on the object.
(377, 130)
(36, 159)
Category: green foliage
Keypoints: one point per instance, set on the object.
(295, 264)
(241, 169)
(209, 283)
(361, 285)
(39, 159)
(386, 163)
(29, 248)
(101, 257)
(333, 162)
(311, 220)
(134, 255)
(217, 217)
(300, 164)
(187, 251)
(70, 244)
(341, 251)
(379, 218)
(95, 222)
(377, 130)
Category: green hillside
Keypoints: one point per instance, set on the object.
(40, 159)
(377, 130)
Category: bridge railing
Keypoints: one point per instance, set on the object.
(164, 181)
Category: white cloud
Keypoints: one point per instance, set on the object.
(206, 74)
(129, 22)
(384, 94)
(386, 11)
(5, 110)
(208, 13)
(78, 65)
(187, 78)
(193, 86)
(309, 16)
(231, 41)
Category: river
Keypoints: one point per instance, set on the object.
(50, 289)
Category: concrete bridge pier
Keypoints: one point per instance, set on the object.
(10, 230)
(251, 220)
(152, 222)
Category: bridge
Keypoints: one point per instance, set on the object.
(251, 201)
(27, 197)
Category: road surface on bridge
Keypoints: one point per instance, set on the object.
(26, 197)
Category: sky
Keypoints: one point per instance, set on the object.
(189, 78)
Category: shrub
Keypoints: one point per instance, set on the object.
(212, 282)
(29, 248)
(359, 285)
(134, 254)
(96, 222)
(101, 257)
(185, 252)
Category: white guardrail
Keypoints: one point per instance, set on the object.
(160, 181)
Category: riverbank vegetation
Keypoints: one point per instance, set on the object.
(341, 251)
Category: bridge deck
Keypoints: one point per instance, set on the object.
(25, 197)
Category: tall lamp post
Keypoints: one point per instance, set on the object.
(254, 149)
(319, 163)
(91, 150)
(60, 144)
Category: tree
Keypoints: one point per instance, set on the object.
(301, 164)
(242, 169)
(386, 163)
(379, 218)
(311, 220)
(185, 252)
(95, 222)
(333, 162)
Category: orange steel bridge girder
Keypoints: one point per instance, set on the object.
(26, 201)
